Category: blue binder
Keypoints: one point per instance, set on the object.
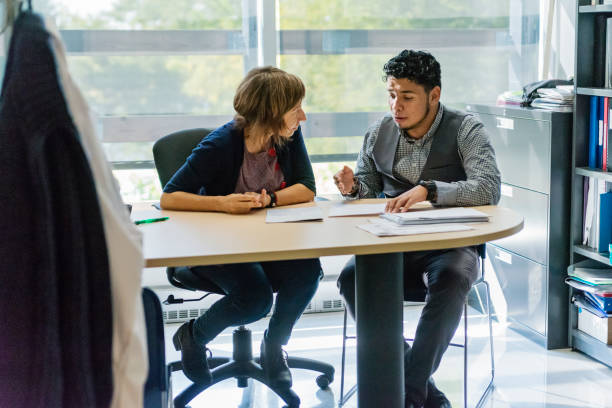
(605, 304)
(600, 118)
(605, 221)
(593, 131)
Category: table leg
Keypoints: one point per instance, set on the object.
(380, 354)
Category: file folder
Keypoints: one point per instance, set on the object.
(593, 132)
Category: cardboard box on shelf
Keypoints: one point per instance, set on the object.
(600, 328)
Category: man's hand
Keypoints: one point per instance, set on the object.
(344, 180)
(240, 203)
(404, 201)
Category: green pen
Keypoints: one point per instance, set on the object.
(150, 220)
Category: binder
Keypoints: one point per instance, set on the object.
(608, 134)
(600, 121)
(605, 132)
(580, 300)
(593, 132)
(603, 303)
(605, 221)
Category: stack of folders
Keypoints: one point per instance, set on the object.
(593, 297)
(420, 222)
(597, 222)
(560, 99)
(441, 216)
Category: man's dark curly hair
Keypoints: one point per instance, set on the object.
(418, 66)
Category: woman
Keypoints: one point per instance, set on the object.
(257, 160)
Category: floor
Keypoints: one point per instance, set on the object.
(526, 375)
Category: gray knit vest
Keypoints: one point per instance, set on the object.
(443, 162)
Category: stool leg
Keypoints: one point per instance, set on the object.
(465, 353)
(491, 385)
(345, 397)
(341, 401)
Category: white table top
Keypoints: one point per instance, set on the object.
(205, 238)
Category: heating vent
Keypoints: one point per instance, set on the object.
(335, 304)
(326, 299)
(173, 316)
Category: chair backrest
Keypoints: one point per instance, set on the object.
(170, 152)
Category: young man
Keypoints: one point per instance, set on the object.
(420, 151)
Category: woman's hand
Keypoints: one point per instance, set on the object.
(240, 203)
(263, 198)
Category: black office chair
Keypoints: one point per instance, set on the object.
(169, 154)
(482, 252)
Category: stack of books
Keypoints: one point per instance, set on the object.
(560, 98)
(593, 297)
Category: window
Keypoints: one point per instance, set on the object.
(150, 67)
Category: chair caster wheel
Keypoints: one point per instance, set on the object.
(323, 381)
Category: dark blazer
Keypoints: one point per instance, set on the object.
(56, 320)
(214, 165)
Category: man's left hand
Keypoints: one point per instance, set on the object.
(404, 201)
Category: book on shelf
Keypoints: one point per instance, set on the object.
(600, 125)
(600, 132)
(597, 227)
(604, 134)
(593, 131)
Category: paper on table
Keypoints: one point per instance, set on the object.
(294, 214)
(343, 210)
(384, 228)
(446, 215)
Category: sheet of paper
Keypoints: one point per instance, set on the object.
(384, 228)
(345, 209)
(294, 214)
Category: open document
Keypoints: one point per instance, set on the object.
(445, 215)
(385, 228)
(294, 214)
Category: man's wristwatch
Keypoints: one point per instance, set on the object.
(432, 190)
(272, 199)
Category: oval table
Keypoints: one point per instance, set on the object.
(205, 238)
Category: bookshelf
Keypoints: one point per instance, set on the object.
(589, 73)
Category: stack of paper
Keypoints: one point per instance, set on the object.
(384, 228)
(560, 98)
(591, 274)
(446, 215)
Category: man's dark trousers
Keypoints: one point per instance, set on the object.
(443, 279)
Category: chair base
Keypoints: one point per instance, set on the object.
(248, 367)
